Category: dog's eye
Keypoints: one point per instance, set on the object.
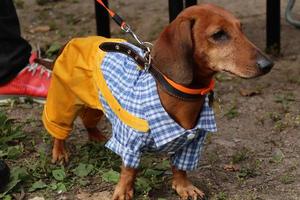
(220, 35)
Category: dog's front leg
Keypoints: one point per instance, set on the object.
(183, 186)
(59, 152)
(124, 189)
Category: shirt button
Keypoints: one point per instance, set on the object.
(190, 136)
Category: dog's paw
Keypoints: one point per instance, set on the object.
(186, 190)
(123, 192)
(95, 135)
(60, 155)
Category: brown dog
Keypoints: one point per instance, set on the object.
(201, 41)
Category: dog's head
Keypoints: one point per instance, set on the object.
(206, 39)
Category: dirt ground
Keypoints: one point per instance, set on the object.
(258, 135)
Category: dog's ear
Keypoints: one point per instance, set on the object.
(173, 51)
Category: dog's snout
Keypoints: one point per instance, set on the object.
(264, 64)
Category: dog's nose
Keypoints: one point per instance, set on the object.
(264, 64)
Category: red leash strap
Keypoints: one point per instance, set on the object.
(115, 16)
(126, 28)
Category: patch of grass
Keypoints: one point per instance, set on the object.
(33, 171)
(250, 168)
(284, 100)
(232, 112)
(10, 136)
(260, 120)
(240, 156)
(280, 126)
(275, 116)
(222, 196)
(53, 50)
(288, 120)
(247, 172)
(11, 147)
(287, 179)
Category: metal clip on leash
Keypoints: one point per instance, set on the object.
(146, 46)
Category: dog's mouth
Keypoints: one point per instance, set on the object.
(251, 74)
(229, 73)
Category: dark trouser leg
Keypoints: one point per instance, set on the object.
(14, 50)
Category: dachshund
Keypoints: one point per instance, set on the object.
(202, 40)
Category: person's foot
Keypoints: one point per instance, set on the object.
(33, 81)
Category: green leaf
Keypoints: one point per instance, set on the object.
(3, 153)
(111, 176)
(14, 152)
(83, 182)
(164, 165)
(17, 175)
(10, 186)
(8, 130)
(61, 187)
(53, 186)
(7, 197)
(277, 156)
(37, 185)
(83, 170)
(152, 172)
(53, 49)
(142, 185)
(59, 174)
(11, 134)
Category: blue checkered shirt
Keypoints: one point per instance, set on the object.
(136, 91)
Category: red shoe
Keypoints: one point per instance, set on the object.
(33, 81)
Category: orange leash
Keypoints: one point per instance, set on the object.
(115, 17)
(111, 13)
(125, 27)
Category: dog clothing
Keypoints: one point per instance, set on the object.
(84, 76)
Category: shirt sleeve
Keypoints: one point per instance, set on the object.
(127, 143)
(188, 157)
(130, 158)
